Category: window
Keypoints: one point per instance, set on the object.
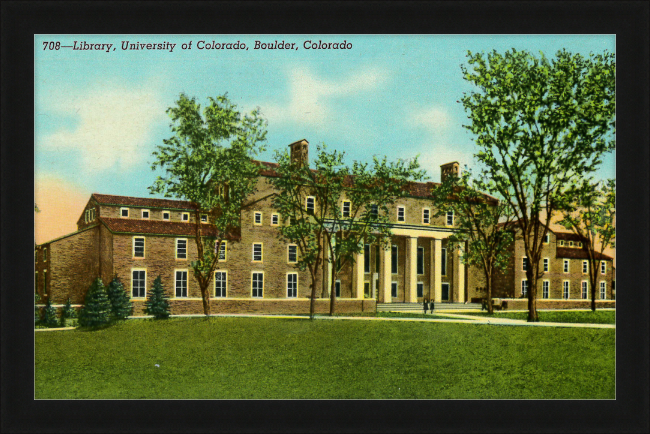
(92, 214)
(570, 243)
(545, 289)
(393, 259)
(603, 290)
(524, 288)
(337, 288)
(393, 289)
(580, 244)
(374, 211)
(546, 265)
(257, 252)
(566, 265)
(181, 283)
(561, 243)
(124, 212)
(275, 219)
(345, 209)
(400, 214)
(181, 248)
(86, 216)
(366, 289)
(565, 290)
(145, 213)
(585, 267)
(44, 282)
(366, 258)
(222, 249)
(257, 284)
(292, 285)
(420, 260)
(426, 216)
(450, 218)
(524, 263)
(220, 283)
(603, 267)
(165, 215)
(185, 216)
(138, 247)
(44, 254)
(257, 218)
(584, 290)
(138, 282)
(420, 289)
(546, 239)
(204, 218)
(309, 206)
(292, 254)
(443, 262)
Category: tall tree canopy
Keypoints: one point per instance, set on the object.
(541, 125)
(207, 161)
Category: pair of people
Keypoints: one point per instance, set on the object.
(427, 305)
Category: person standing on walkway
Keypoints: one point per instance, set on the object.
(431, 306)
(425, 304)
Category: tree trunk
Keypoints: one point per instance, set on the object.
(489, 294)
(312, 302)
(593, 282)
(531, 276)
(205, 299)
(333, 291)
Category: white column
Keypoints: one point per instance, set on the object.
(411, 270)
(384, 274)
(358, 275)
(436, 264)
(460, 278)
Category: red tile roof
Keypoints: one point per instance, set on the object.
(563, 252)
(107, 199)
(159, 227)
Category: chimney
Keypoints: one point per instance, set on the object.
(448, 169)
(300, 152)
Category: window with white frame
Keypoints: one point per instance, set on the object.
(181, 283)
(580, 244)
(561, 243)
(565, 290)
(138, 283)
(603, 267)
(257, 252)
(401, 214)
(310, 204)
(166, 215)
(124, 212)
(181, 248)
(426, 216)
(374, 211)
(566, 265)
(292, 285)
(257, 218)
(275, 219)
(257, 284)
(138, 247)
(545, 265)
(545, 288)
(86, 216)
(443, 262)
(145, 213)
(204, 218)
(222, 249)
(584, 290)
(292, 253)
(185, 216)
(345, 208)
(524, 263)
(603, 290)
(393, 289)
(524, 288)
(450, 218)
(570, 243)
(585, 267)
(366, 258)
(420, 289)
(420, 265)
(337, 288)
(220, 283)
(546, 239)
(393, 259)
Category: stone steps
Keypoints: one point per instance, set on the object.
(417, 307)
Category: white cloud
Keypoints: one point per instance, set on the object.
(114, 126)
(311, 95)
(435, 119)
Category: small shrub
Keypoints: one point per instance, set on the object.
(49, 315)
(67, 314)
(96, 311)
(121, 305)
(156, 303)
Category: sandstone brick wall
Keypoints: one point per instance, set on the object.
(135, 212)
(522, 304)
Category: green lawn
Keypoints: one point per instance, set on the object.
(598, 317)
(296, 358)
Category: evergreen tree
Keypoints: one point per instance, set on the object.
(97, 309)
(49, 315)
(121, 305)
(156, 303)
(67, 313)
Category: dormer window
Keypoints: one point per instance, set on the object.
(92, 214)
(580, 244)
(145, 213)
(185, 217)
(124, 212)
(561, 243)
(165, 215)
(570, 243)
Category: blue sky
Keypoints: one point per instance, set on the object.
(99, 115)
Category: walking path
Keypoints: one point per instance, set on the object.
(451, 318)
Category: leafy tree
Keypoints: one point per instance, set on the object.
(68, 312)
(482, 225)
(121, 306)
(96, 311)
(208, 162)
(49, 315)
(326, 226)
(540, 125)
(590, 213)
(157, 304)
(37, 316)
